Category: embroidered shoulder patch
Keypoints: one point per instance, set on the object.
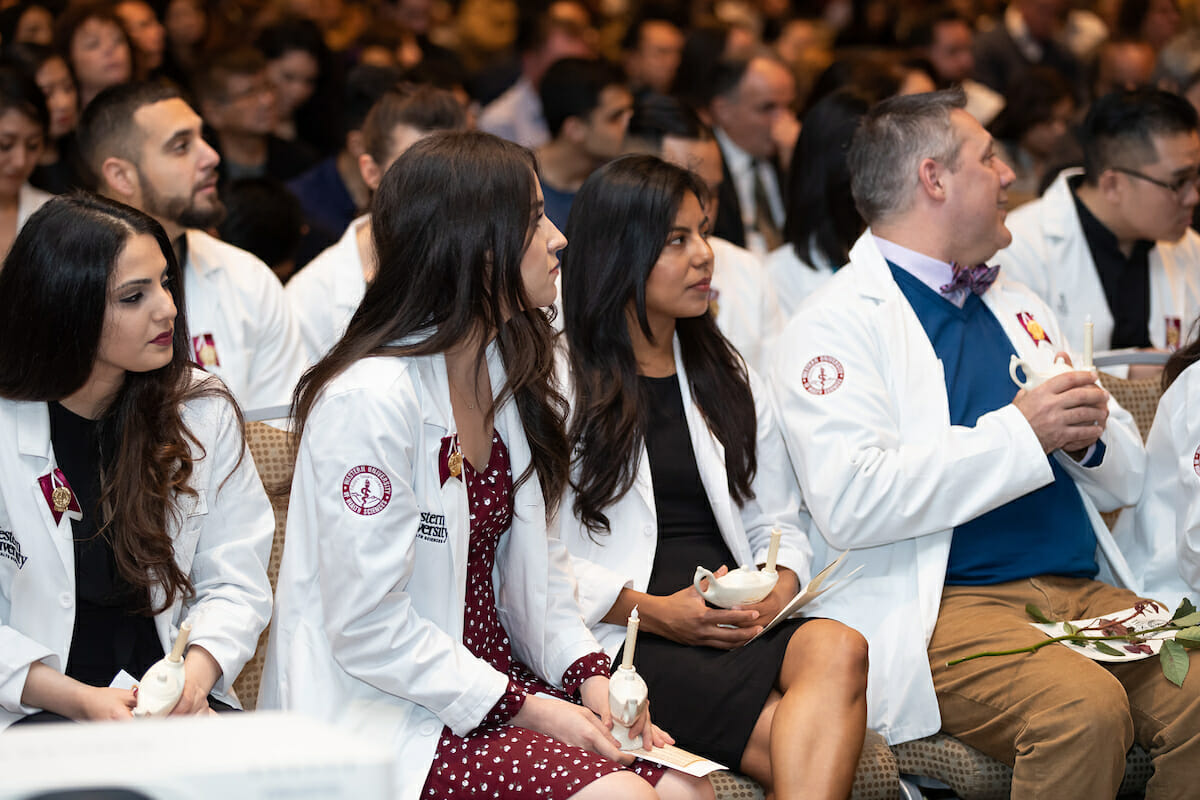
(822, 375)
(366, 490)
(1196, 461)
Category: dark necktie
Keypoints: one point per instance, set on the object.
(764, 223)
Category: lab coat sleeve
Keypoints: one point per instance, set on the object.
(366, 561)
(864, 481)
(596, 588)
(1117, 480)
(17, 653)
(1182, 435)
(309, 306)
(568, 634)
(232, 602)
(777, 499)
(278, 356)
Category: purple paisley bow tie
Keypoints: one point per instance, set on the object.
(977, 279)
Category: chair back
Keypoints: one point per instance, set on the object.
(1140, 398)
(271, 449)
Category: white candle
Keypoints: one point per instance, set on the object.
(181, 641)
(1087, 343)
(631, 630)
(773, 550)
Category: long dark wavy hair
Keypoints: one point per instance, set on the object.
(54, 293)
(619, 224)
(451, 221)
(821, 218)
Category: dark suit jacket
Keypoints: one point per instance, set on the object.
(728, 224)
(999, 63)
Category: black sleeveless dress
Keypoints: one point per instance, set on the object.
(708, 699)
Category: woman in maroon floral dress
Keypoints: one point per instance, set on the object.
(424, 596)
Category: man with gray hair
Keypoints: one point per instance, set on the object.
(962, 498)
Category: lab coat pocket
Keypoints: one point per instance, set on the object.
(193, 511)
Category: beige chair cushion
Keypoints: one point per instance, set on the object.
(877, 777)
(274, 459)
(975, 776)
(1139, 397)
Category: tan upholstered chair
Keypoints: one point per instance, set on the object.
(942, 760)
(1139, 397)
(877, 777)
(273, 457)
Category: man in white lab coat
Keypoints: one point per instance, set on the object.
(1112, 242)
(142, 143)
(963, 498)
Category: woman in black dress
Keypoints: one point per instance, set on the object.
(677, 463)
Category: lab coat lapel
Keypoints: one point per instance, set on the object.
(710, 463)
(438, 423)
(37, 453)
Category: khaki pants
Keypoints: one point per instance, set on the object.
(1063, 721)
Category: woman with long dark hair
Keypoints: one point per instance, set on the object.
(57, 170)
(129, 503)
(1160, 537)
(822, 222)
(424, 593)
(678, 463)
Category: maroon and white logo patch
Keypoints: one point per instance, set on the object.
(366, 490)
(1196, 461)
(822, 375)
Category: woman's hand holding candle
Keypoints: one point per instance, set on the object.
(201, 672)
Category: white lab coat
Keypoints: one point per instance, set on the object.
(795, 279)
(1161, 535)
(236, 299)
(747, 312)
(29, 199)
(1050, 255)
(222, 540)
(325, 294)
(368, 626)
(606, 563)
(885, 473)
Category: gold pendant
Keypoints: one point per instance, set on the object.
(61, 497)
(455, 463)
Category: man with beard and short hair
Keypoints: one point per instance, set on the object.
(142, 143)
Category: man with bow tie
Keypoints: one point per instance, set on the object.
(963, 498)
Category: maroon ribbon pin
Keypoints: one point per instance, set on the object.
(449, 460)
(56, 490)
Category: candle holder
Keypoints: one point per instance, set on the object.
(627, 698)
(162, 685)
